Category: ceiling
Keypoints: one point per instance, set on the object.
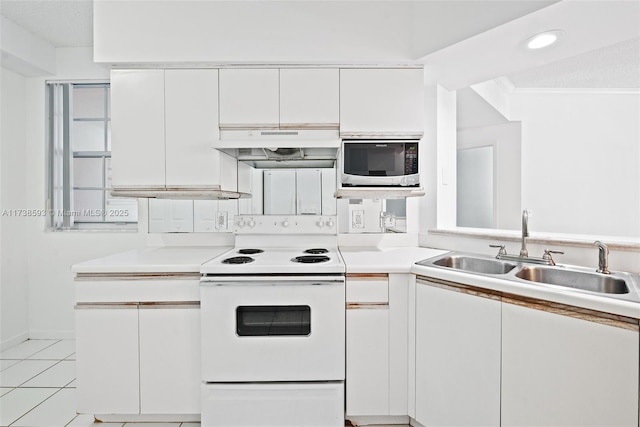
(63, 23)
(612, 67)
(69, 23)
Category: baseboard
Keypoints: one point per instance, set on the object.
(51, 335)
(147, 418)
(5, 344)
(383, 420)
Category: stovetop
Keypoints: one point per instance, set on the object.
(276, 244)
(276, 260)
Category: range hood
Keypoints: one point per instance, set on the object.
(189, 193)
(269, 149)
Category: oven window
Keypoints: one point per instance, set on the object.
(273, 320)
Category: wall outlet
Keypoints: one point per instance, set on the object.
(357, 219)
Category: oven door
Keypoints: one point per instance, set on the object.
(273, 330)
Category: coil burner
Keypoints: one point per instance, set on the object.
(250, 251)
(316, 251)
(311, 259)
(238, 260)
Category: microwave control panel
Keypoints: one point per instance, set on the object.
(411, 158)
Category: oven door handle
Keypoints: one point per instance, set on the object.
(269, 283)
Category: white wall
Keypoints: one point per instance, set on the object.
(251, 31)
(51, 254)
(581, 152)
(429, 162)
(14, 324)
(446, 155)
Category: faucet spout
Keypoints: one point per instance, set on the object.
(603, 255)
(525, 233)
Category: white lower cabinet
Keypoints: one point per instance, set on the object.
(457, 358)
(368, 360)
(377, 347)
(559, 370)
(170, 359)
(107, 366)
(138, 358)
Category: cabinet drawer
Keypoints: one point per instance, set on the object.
(368, 288)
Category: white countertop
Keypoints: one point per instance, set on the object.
(384, 260)
(165, 259)
(539, 291)
(189, 259)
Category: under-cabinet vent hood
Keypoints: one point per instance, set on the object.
(268, 149)
(189, 193)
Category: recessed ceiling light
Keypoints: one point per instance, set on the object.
(544, 39)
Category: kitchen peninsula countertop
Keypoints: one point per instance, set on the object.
(165, 259)
(359, 259)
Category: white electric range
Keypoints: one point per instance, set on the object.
(273, 325)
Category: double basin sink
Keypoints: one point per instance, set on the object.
(615, 284)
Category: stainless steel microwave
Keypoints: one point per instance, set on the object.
(379, 163)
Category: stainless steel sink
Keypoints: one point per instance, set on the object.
(472, 264)
(592, 282)
(618, 284)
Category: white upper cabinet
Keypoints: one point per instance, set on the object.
(288, 98)
(381, 102)
(164, 124)
(309, 98)
(137, 128)
(191, 128)
(249, 98)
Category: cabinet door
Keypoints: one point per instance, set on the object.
(170, 359)
(280, 192)
(381, 101)
(137, 128)
(399, 343)
(107, 368)
(563, 371)
(457, 358)
(249, 98)
(309, 98)
(308, 192)
(367, 381)
(191, 99)
(329, 206)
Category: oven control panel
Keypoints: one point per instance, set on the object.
(286, 224)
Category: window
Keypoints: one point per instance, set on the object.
(79, 161)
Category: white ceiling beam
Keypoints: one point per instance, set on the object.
(24, 53)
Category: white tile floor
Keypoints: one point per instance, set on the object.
(37, 387)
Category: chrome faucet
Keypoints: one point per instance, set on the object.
(603, 255)
(525, 233)
(524, 253)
